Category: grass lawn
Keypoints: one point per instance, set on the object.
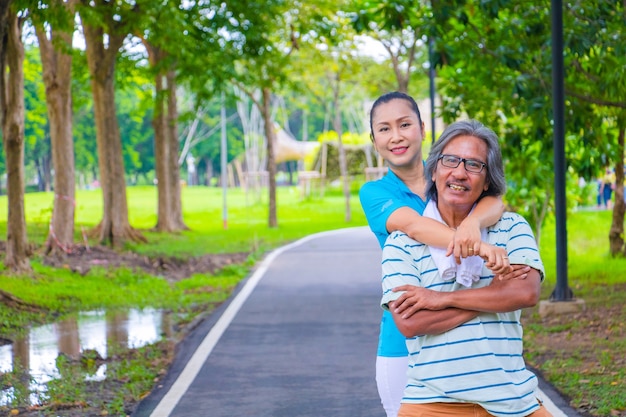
(583, 356)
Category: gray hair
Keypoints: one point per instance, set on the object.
(495, 168)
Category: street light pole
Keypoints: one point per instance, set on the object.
(562, 292)
(431, 76)
(224, 164)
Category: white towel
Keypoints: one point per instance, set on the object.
(470, 268)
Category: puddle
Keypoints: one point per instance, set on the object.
(97, 331)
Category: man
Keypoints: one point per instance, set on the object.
(463, 331)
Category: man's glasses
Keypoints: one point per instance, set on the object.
(471, 165)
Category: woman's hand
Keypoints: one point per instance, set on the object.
(466, 241)
(496, 258)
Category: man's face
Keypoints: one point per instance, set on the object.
(459, 188)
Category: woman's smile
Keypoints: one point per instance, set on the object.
(399, 150)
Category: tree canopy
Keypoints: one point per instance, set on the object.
(492, 62)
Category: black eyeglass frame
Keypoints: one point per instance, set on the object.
(464, 160)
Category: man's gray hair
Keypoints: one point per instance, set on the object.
(494, 168)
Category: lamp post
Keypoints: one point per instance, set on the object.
(431, 76)
(224, 165)
(562, 292)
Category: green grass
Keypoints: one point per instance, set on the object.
(590, 375)
(582, 355)
(588, 257)
(246, 218)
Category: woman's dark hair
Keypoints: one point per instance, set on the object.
(386, 98)
(495, 168)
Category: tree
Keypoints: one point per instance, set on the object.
(262, 67)
(12, 118)
(273, 37)
(489, 70)
(400, 26)
(340, 44)
(105, 28)
(595, 58)
(495, 60)
(36, 128)
(84, 130)
(56, 59)
(162, 45)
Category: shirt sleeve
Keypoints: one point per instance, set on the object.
(522, 245)
(378, 202)
(398, 266)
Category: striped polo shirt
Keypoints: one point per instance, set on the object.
(481, 360)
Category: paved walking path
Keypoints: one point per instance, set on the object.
(297, 339)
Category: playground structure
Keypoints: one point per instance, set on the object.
(248, 170)
(312, 180)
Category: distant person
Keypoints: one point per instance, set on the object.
(462, 324)
(395, 202)
(605, 189)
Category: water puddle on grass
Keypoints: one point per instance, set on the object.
(96, 332)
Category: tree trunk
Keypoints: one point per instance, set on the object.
(165, 221)
(12, 106)
(114, 228)
(161, 147)
(343, 164)
(57, 77)
(271, 164)
(176, 208)
(4, 24)
(616, 234)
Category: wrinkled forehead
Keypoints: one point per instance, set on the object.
(466, 146)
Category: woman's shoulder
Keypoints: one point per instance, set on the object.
(383, 184)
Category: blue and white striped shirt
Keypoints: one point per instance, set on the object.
(481, 360)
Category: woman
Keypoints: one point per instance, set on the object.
(395, 202)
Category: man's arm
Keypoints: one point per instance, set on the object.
(432, 306)
(431, 322)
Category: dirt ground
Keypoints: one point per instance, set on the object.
(588, 344)
(82, 259)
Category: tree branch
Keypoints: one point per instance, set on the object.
(595, 100)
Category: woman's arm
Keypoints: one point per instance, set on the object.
(433, 233)
(487, 212)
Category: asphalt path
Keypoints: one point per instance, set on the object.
(297, 339)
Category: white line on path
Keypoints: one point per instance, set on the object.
(550, 406)
(189, 373)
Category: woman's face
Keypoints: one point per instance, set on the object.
(398, 133)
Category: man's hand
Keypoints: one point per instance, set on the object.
(415, 299)
(518, 271)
